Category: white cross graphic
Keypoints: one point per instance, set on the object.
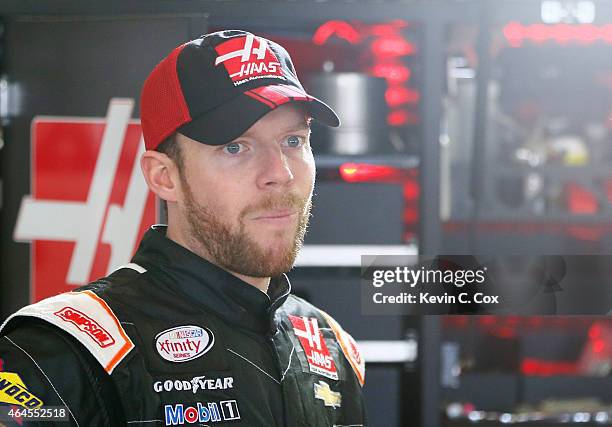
(84, 222)
(311, 333)
(245, 53)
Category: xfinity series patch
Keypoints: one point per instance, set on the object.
(317, 354)
(14, 392)
(184, 343)
(211, 412)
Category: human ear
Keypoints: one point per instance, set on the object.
(161, 175)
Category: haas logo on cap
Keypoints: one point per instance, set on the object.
(247, 58)
(184, 343)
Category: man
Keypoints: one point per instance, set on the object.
(201, 328)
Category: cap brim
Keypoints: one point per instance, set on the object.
(230, 120)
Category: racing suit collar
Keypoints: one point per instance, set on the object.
(210, 286)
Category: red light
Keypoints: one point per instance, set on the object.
(392, 46)
(340, 29)
(402, 118)
(468, 407)
(605, 33)
(411, 190)
(580, 200)
(388, 29)
(388, 46)
(411, 215)
(587, 33)
(598, 346)
(392, 72)
(399, 95)
(363, 172)
(584, 233)
(562, 33)
(538, 367)
(529, 367)
(538, 33)
(487, 320)
(595, 332)
(505, 332)
(397, 118)
(515, 33)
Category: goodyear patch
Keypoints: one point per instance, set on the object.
(14, 392)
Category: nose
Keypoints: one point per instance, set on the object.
(275, 170)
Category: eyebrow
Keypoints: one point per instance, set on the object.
(294, 127)
(299, 126)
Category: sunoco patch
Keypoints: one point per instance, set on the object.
(14, 392)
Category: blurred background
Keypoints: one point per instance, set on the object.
(469, 127)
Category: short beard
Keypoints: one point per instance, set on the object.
(233, 249)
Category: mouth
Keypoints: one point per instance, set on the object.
(277, 218)
(277, 214)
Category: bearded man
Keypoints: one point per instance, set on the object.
(201, 327)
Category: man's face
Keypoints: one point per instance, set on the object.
(245, 205)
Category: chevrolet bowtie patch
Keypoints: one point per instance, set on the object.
(329, 397)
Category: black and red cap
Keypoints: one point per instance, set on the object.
(214, 88)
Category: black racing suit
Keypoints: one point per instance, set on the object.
(172, 339)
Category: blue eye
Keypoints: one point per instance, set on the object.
(232, 148)
(294, 141)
